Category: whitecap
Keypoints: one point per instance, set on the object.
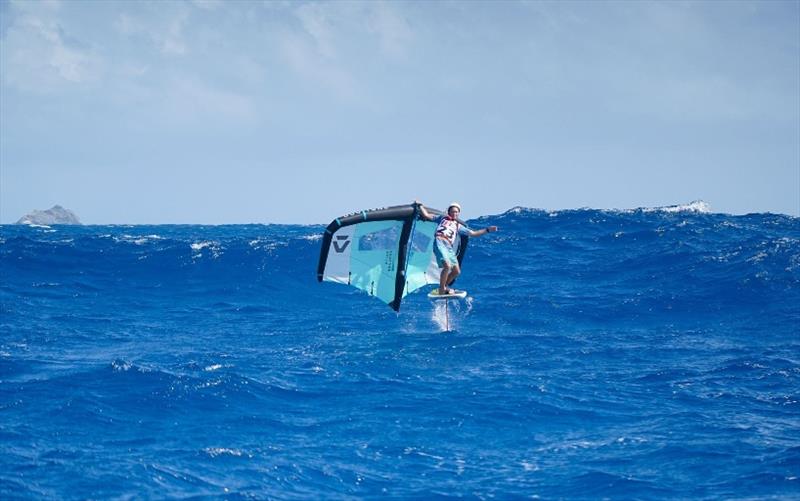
(757, 258)
(214, 247)
(697, 206)
(145, 239)
(518, 210)
(134, 239)
(225, 451)
(266, 244)
(121, 366)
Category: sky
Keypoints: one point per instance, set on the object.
(214, 112)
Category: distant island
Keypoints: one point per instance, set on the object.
(54, 215)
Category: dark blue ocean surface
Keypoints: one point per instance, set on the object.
(620, 354)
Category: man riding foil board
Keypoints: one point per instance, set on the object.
(446, 233)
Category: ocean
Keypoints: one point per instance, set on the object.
(641, 354)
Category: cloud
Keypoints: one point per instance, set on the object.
(335, 26)
(337, 40)
(315, 68)
(167, 38)
(318, 21)
(172, 40)
(39, 56)
(40, 7)
(391, 28)
(207, 4)
(132, 70)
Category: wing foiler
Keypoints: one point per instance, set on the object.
(387, 253)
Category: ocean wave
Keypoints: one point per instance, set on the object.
(225, 451)
(137, 239)
(215, 248)
(697, 206)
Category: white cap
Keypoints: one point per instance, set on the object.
(454, 204)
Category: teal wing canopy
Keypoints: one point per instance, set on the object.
(387, 253)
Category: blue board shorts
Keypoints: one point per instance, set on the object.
(444, 252)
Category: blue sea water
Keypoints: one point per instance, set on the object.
(645, 354)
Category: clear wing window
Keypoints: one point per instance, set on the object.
(420, 242)
(379, 240)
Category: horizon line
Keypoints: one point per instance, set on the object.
(694, 207)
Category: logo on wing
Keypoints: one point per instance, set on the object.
(341, 243)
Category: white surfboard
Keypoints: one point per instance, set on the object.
(456, 294)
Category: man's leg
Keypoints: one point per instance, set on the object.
(444, 277)
(455, 270)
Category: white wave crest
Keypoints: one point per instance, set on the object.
(136, 239)
(214, 247)
(224, 451)
(698, 206)
(267, 244)
(121, 366)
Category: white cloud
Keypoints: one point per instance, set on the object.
(391, 28)
(40, 7)
(127, 25)
(167, 38)
(37, 56)
(337, 40)
(318, 22)
(208, 4)
(337, 27)
(315, 68)
(133, 70)
(172, 40)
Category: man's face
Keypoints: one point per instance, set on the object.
(454, 212)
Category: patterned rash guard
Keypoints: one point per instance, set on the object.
(448, 228)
